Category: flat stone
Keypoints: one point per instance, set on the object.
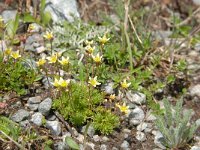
(142, 126)
(54, 127)
(90, 130)
(45, 106)
(195, 148)
(34, 100)
(136, 97)
(137, 114)
(33, 107)
(62, 10)
(8, 15)
(195, 90)
(20, 115)
(109, 88)
(140, 136)
(37, 118)
(125, 145)
(40, 49)
(103, 147)
(96, 138)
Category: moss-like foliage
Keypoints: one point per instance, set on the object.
(80, 103)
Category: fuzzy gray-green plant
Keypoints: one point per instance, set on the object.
(175, 125)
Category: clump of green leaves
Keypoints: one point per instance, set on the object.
(9, 128)
(175, 125)
(104, 120)
(14, 76)
(79, 104)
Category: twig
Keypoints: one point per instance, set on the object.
(188, 18)
(19, 145)
(133, 27)
(64, 122)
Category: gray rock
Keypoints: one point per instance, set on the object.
(54, 127)
(96, 138)
(136, 97)
(125, 145)
(195, 90)
(80, 138)
(131, 105)
(158, 139)
(62, 10)
(8, 15)
(140, 136)
(61, 146)
(31, 40)
(195, 147)
(40, 49)
(90, 130)
(150, 116)
(24, 123)
(103, 147)
(109, 88)
(37, 118)
(46, 83)
(45, 106)
(197, 122)
(33, 107)
(196, 2)
(20, 115)
(114, 148)
(142, 126)
(105, 139)
(197, 46)
(134, 122)
(136, 114)
(51, 117)
(160, 35)
(34, 100)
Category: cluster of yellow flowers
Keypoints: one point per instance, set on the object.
(61, 83)
(13, 54)
(53, 59)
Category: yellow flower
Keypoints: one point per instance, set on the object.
(31, 27)
(8, 51)
(103, 39)
(41, 61)
(64, 61)
(123, 108)
(15, 54)
(56, 82)
(61, 82)
(112, 97)
(97, 58)
(48, 35)
(53, 58)
(124, 84)
(89, 42)
(89, 49)
(93, 81)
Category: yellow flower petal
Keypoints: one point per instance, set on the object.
(124, 84)
(97, 58)
(53, 58)
(64, 61)
(15, 55)
(103, 39)
(93, 81)
(48, 35)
